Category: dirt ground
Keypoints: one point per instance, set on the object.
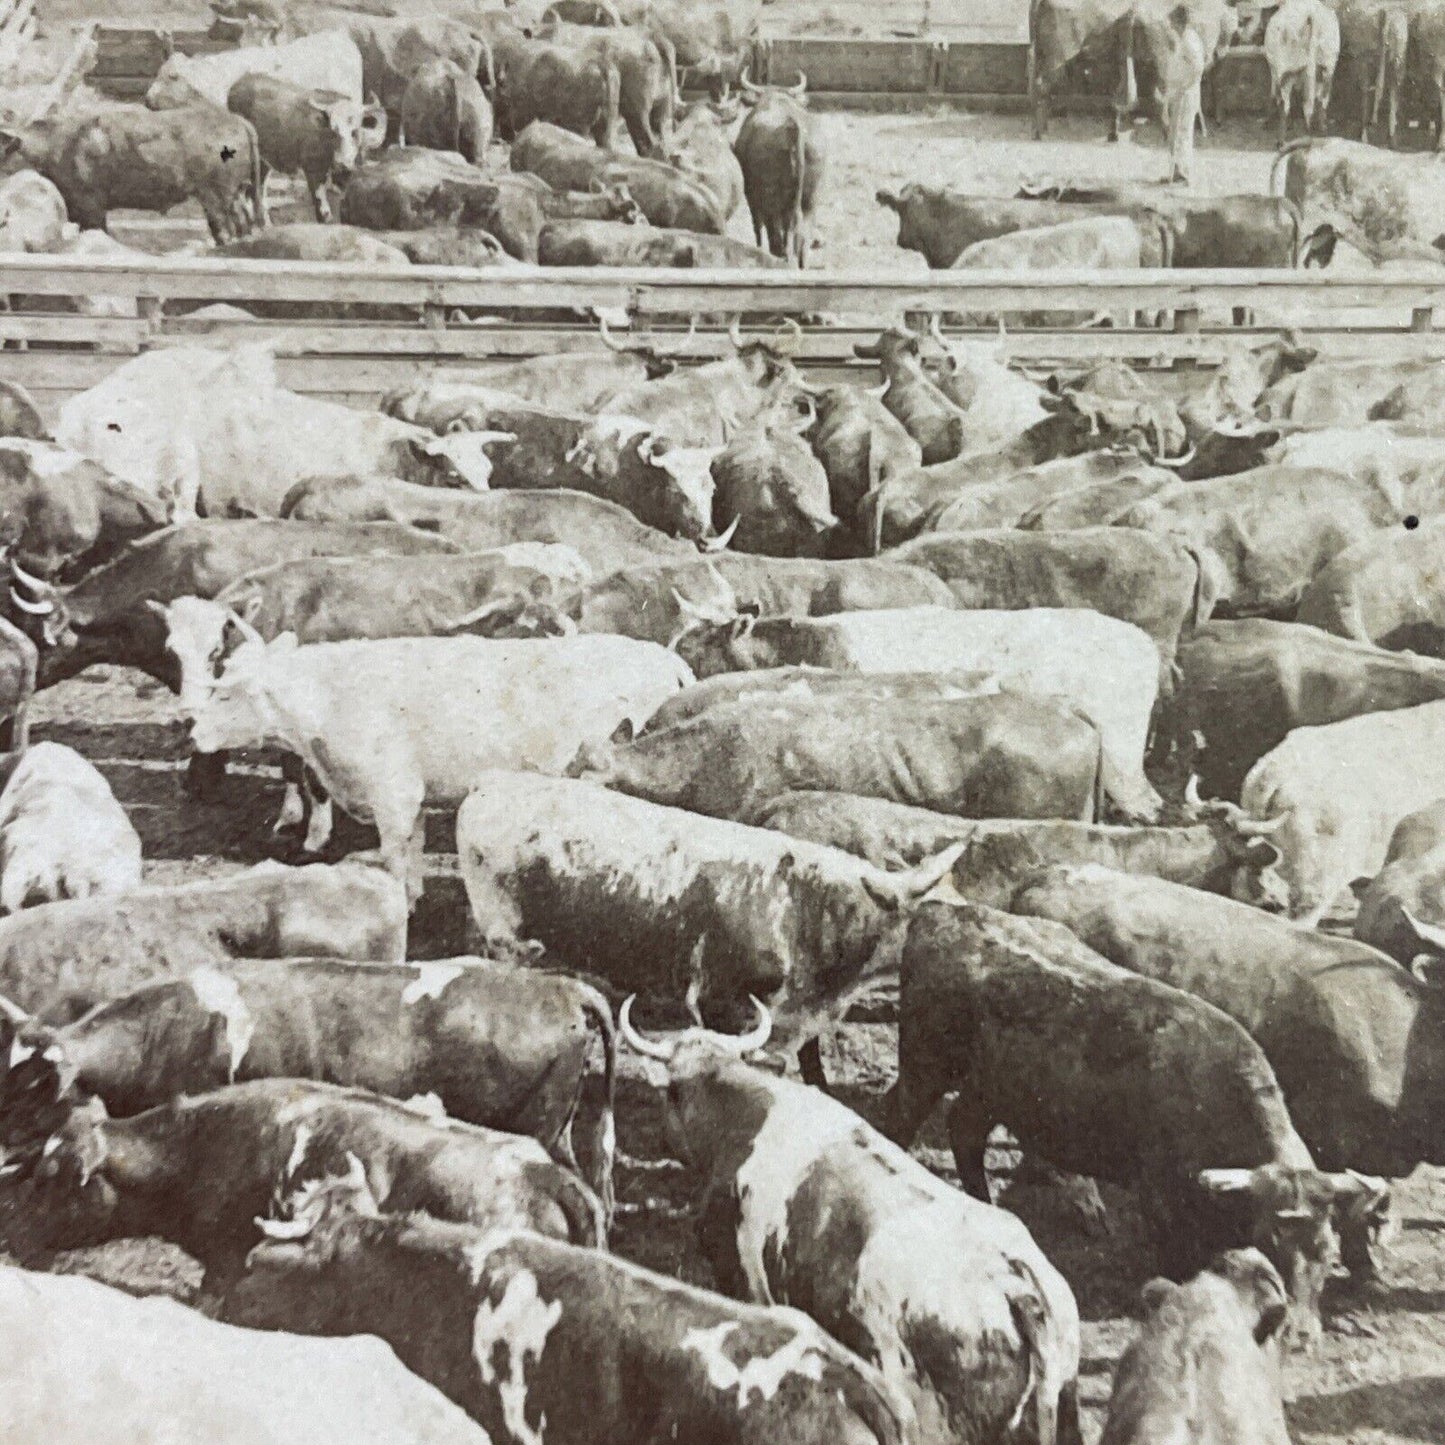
(1379, 1377)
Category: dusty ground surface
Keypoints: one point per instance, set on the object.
(1378, 1379)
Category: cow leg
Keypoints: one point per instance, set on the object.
(205, 776)
(1440, 115)
(810, 1063)
(968, 1133)
(400, 825)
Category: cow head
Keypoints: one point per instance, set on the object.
(1257, 878)
(1260, 1290)
(618, 202)
(72, 1200)
(172, 88)
(201, 637)
(456, 459)
(737, 645)
(19, 415)
(692, 1057)
(337, 121)
(36, 1092)
(315, 1219)
(1296, 1217)
(237, 708)
(755, 95)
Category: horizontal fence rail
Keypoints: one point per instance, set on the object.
(352, 330)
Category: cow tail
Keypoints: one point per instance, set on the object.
(487, 67)
(454, 93)
(1311, 62)
(1380, 68)
(800, 173)
(1281, 158)
(586, 1224)
(1131, 79)
(1043, 1392)
(258, 195)
(599, 1012)
(1202, 606)
(1101, 789)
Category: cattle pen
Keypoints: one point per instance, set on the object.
(354, 332)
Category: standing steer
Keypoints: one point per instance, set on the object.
(446, 109)
(996, 755)
(388, 726)
(1302, 46)
(948, 1296)
(782, 163)
(929, 416)
(62, 833)
(314, 132)
(515, 1327)
(1328, 800)
(662, 901)
(1201, 1368)
(1111, 1075)
(126, 156)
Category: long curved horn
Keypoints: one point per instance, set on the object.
(735, 332)
(13, 1011)
(32, 582)
(745, 82)
(791, 343)
(800, 87)
(1191, 792)
(608, 340)
(752, 1041)
(650, 1048)
(284, 1228)
(1182, 460)
(691, 332)
(36, 609)
(719, 543)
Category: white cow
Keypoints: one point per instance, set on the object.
(388, 726)
(80, 1361)
(211, 432)
(1107, 668)
(329, 60)
(1329, 799)
(1302, 47)
(62, 833)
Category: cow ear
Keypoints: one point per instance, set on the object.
(1152, 1294)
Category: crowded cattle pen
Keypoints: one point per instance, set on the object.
(715, 731)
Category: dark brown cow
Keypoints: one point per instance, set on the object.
(1244, 685)
(782, 160)
(998, 853)
(1104, 1072)
(200, 1171)
(497, 1045)
(613, 243)
(445, 108)
(647, 78)
(393, 51)
(861, 445)
(578, 91)
(127, 156)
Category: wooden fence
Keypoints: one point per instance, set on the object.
(355, 331)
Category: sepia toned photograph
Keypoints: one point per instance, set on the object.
(722, 722)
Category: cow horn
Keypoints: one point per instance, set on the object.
(1248, 827)
(24, 577)
(719, 543)
(649, 1048)
(788, 341)
(800, 87)
(1191, 792)
(284, 1228)
(935, 330)
(608, 340)
(735, 332)
(745, 82)
(36, 609)
(13, 1011)
(1174, 463)
(753, 1040)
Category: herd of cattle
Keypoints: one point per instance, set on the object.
(1060, 712)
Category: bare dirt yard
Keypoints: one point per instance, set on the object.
(1379, 1377)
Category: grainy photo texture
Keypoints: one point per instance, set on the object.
(723, 722)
